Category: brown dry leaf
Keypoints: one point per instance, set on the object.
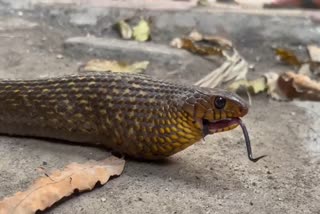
(287, 57)
(219, 41)
(97, 65)
(299, 86)
(190, 45)
(48, 190)
(234, 68)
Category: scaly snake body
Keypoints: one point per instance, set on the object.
(131, 114)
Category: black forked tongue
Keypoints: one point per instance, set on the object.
(248, 144)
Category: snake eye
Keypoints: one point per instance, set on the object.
(220, 102)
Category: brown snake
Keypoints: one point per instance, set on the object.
(134, 115)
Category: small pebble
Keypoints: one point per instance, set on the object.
(251, 67)
(59, 56)
(44, 163)
(251, 203)
(20, 13)
(103, 199)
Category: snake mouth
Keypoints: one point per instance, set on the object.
(211, 127)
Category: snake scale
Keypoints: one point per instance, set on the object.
(135, 115)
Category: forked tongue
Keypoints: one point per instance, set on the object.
(247, 139)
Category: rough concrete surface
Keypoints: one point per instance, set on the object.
(214, 176)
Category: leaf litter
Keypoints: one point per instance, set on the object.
(140, 32)
(99, 65)
(234, 68)
(46, 191)
(285, 86)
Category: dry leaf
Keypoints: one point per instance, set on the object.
(314, 54)
(233, 69)
(48, 190)
(299, 86)
(203, 45)
(193, 47)
(125, 30)
(287, 57)
(114, 66)
(254, 86)
(196, 35)
(221, 42)
(141, 32)
(190, 45)
(273, 89)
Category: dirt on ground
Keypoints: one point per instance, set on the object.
(213, 176)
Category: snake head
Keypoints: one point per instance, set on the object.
(215, 110)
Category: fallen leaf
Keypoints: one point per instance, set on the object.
(314, 54)
(196, 35)
(125, 30)
(190, 45)
(253, 86)
(273, 89)
(221, 42)
(299, 86)
(233, 69)
(47, 190)
(114, 66)
(287, 57)
(141, 32)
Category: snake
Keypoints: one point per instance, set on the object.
(136, 115)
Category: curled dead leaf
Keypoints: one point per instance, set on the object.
(299, 86)
(97, 65)
(47, 190)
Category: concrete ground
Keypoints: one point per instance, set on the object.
(214, 176)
